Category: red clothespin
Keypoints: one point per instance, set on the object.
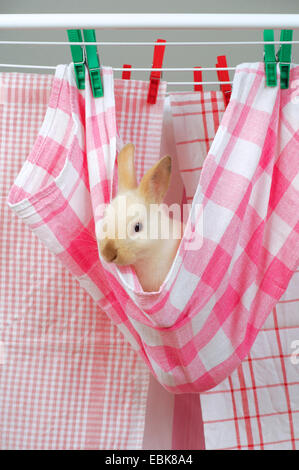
(126, 74)
(223, 76)
(156, 74)
(197, 75)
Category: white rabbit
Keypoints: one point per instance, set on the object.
(136, 222)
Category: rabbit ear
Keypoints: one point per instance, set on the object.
(126, 170)
(154, 183)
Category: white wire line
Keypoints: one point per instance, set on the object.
(24, 66)
(198, 83)
(133, 69)
(171, 69)
(141, 43)
(120, 69)
(139, 69)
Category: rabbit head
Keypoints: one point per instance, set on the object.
(132, 217)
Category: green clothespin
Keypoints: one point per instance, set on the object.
(93, 63)
(78, 57)
(284, 57)
(270, 58)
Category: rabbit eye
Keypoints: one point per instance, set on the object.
(138, 227)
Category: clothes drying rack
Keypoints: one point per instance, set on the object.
(125, 21)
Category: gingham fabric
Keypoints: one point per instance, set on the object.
(257, 407)
(68, 379)
(195, 120)
(203, 321)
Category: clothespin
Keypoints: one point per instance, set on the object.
(284, 57)
(156, 74)
(126, 74)
(197, 76)
(78, 56)
(93, 63)
(270, 58)
(223, 76)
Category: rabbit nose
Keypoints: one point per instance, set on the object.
(109, 251)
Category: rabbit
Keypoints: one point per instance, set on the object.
(150, 256)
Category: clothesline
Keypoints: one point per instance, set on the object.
(133, 69)
(118, 69)
(148, 21)
(140, 69)
(143, 43)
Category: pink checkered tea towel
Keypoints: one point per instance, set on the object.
(68, 378)
(202, 322)
(257, 406)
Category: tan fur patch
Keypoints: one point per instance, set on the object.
(155, 182)
(126, 169)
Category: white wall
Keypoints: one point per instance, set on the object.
(139, 55)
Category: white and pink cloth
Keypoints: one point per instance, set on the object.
(248, 188)
(68, 378)
(257, 406)
(203, 321)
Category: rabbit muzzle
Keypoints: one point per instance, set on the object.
(108, 250)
